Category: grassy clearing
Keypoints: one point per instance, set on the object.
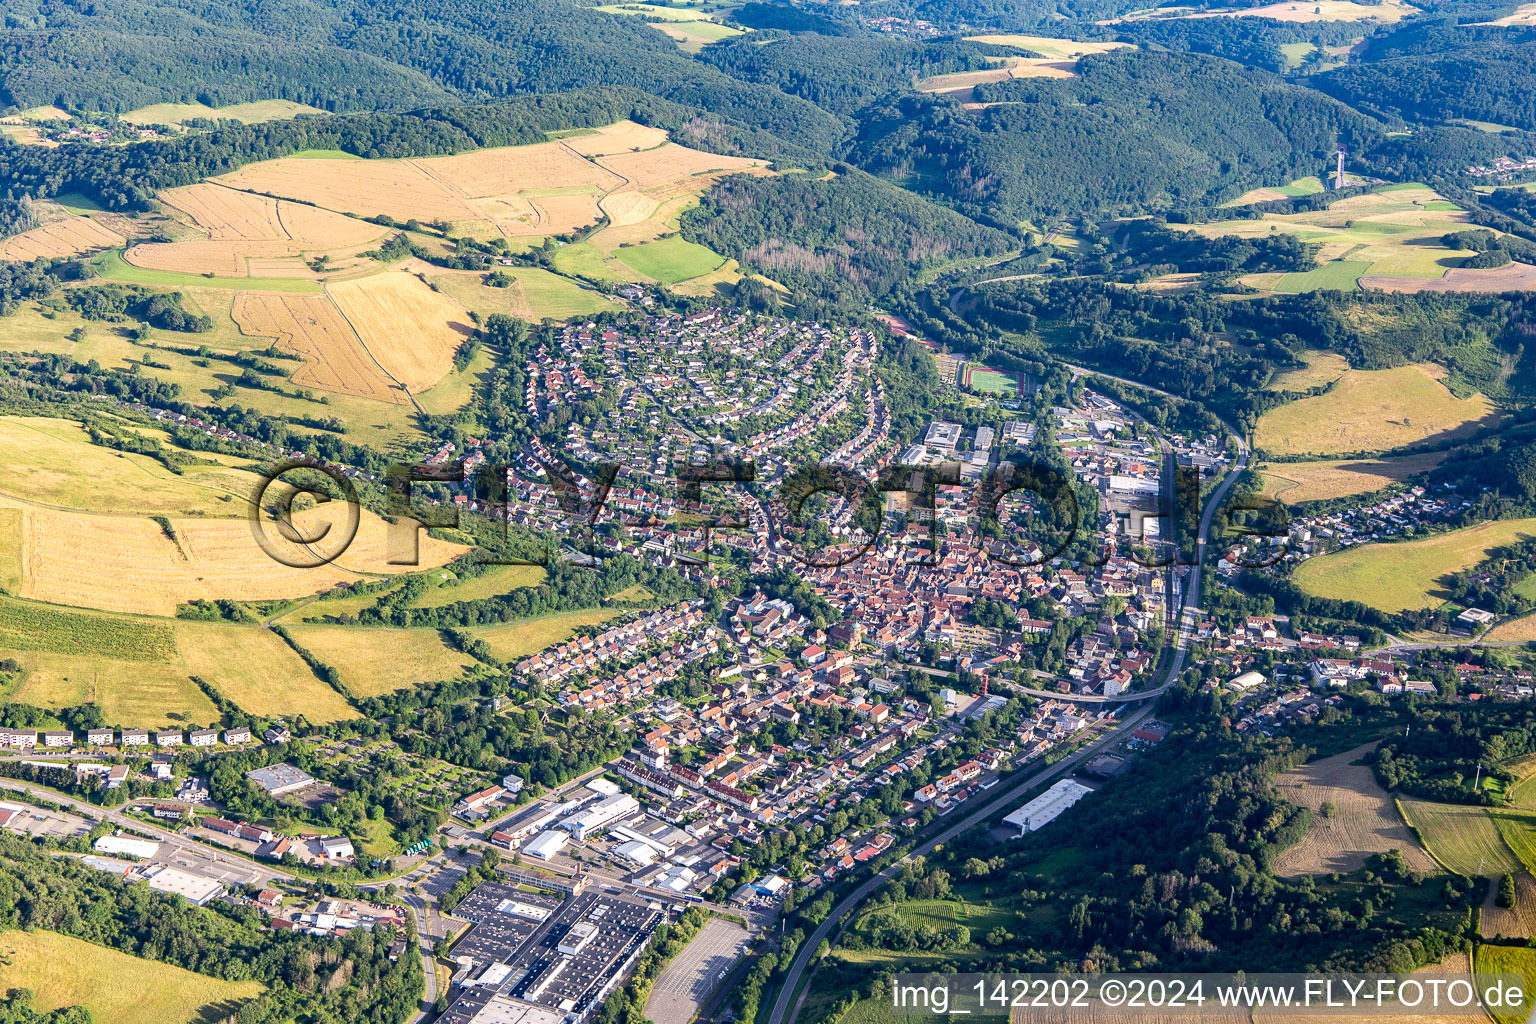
(1340, 275)
(258, 671)
(377, 661)
(1323, 367)
(114, 268)
(115, 987)
(1518, 830)
(1373, 411)
(10, 549)
(1293, 482)
(147, 695)
(248, 113)
(491, 583)
(533, 295)
(520, 639)
(1397, 577)
(53, 461)
(1461, 837)
(671, 259)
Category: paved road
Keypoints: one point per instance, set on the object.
(786, 1005)
(180, 844)
(781, 1012)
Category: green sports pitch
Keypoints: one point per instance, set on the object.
(985, 380)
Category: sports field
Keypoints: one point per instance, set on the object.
(62, 971)
(1406, 575)
(975, 377)
(520, 639)
(1294, 482)
(377, 661)
(1461, 837)
(1394, 232)
(1373, 411)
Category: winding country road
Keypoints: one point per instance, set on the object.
(787, 1002)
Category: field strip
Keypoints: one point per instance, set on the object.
(416, 405)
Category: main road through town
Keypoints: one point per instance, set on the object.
(787, 1002)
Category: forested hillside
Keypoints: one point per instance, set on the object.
(1135, 128)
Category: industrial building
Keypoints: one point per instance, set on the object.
(591, 820)
(195, 889)
(126, 846)
(1046, 807)
(546, 844)
(530, 958)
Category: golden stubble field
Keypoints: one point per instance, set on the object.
(312, 327)
(411, 330)
(129, 563)
(238, 234)
(1364, 821)
(74, 236)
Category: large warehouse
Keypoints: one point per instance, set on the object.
(1046, 807)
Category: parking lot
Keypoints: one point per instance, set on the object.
(34, 821)
(696, 972)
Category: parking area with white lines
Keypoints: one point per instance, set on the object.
(696, 972)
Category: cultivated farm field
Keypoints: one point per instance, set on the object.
(1392, 232)
(1373, 411)
(64, 971)
(491, 583)
(54, 462)
(312, 327)
(1461, 837)
(1364, 822)
(409, 329)
(1400, 576)
(130, 564)
(73, 236)
(372, 662)
(258, 671)
(1489, 958)
(1293, 482)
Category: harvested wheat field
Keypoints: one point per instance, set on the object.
(129, 564)
(958, 85)
(670, 162)
(249, 235)
(1322, 367)
(75, 236)
(1049, 46)
(365, 188)
(1293, 482)
(1365, 821)
(409, 329)
(312, 327)
(1514, 631)
(227, 215)
(1514, 922)
(510, 169)
(620, 137)
(1515, 277)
